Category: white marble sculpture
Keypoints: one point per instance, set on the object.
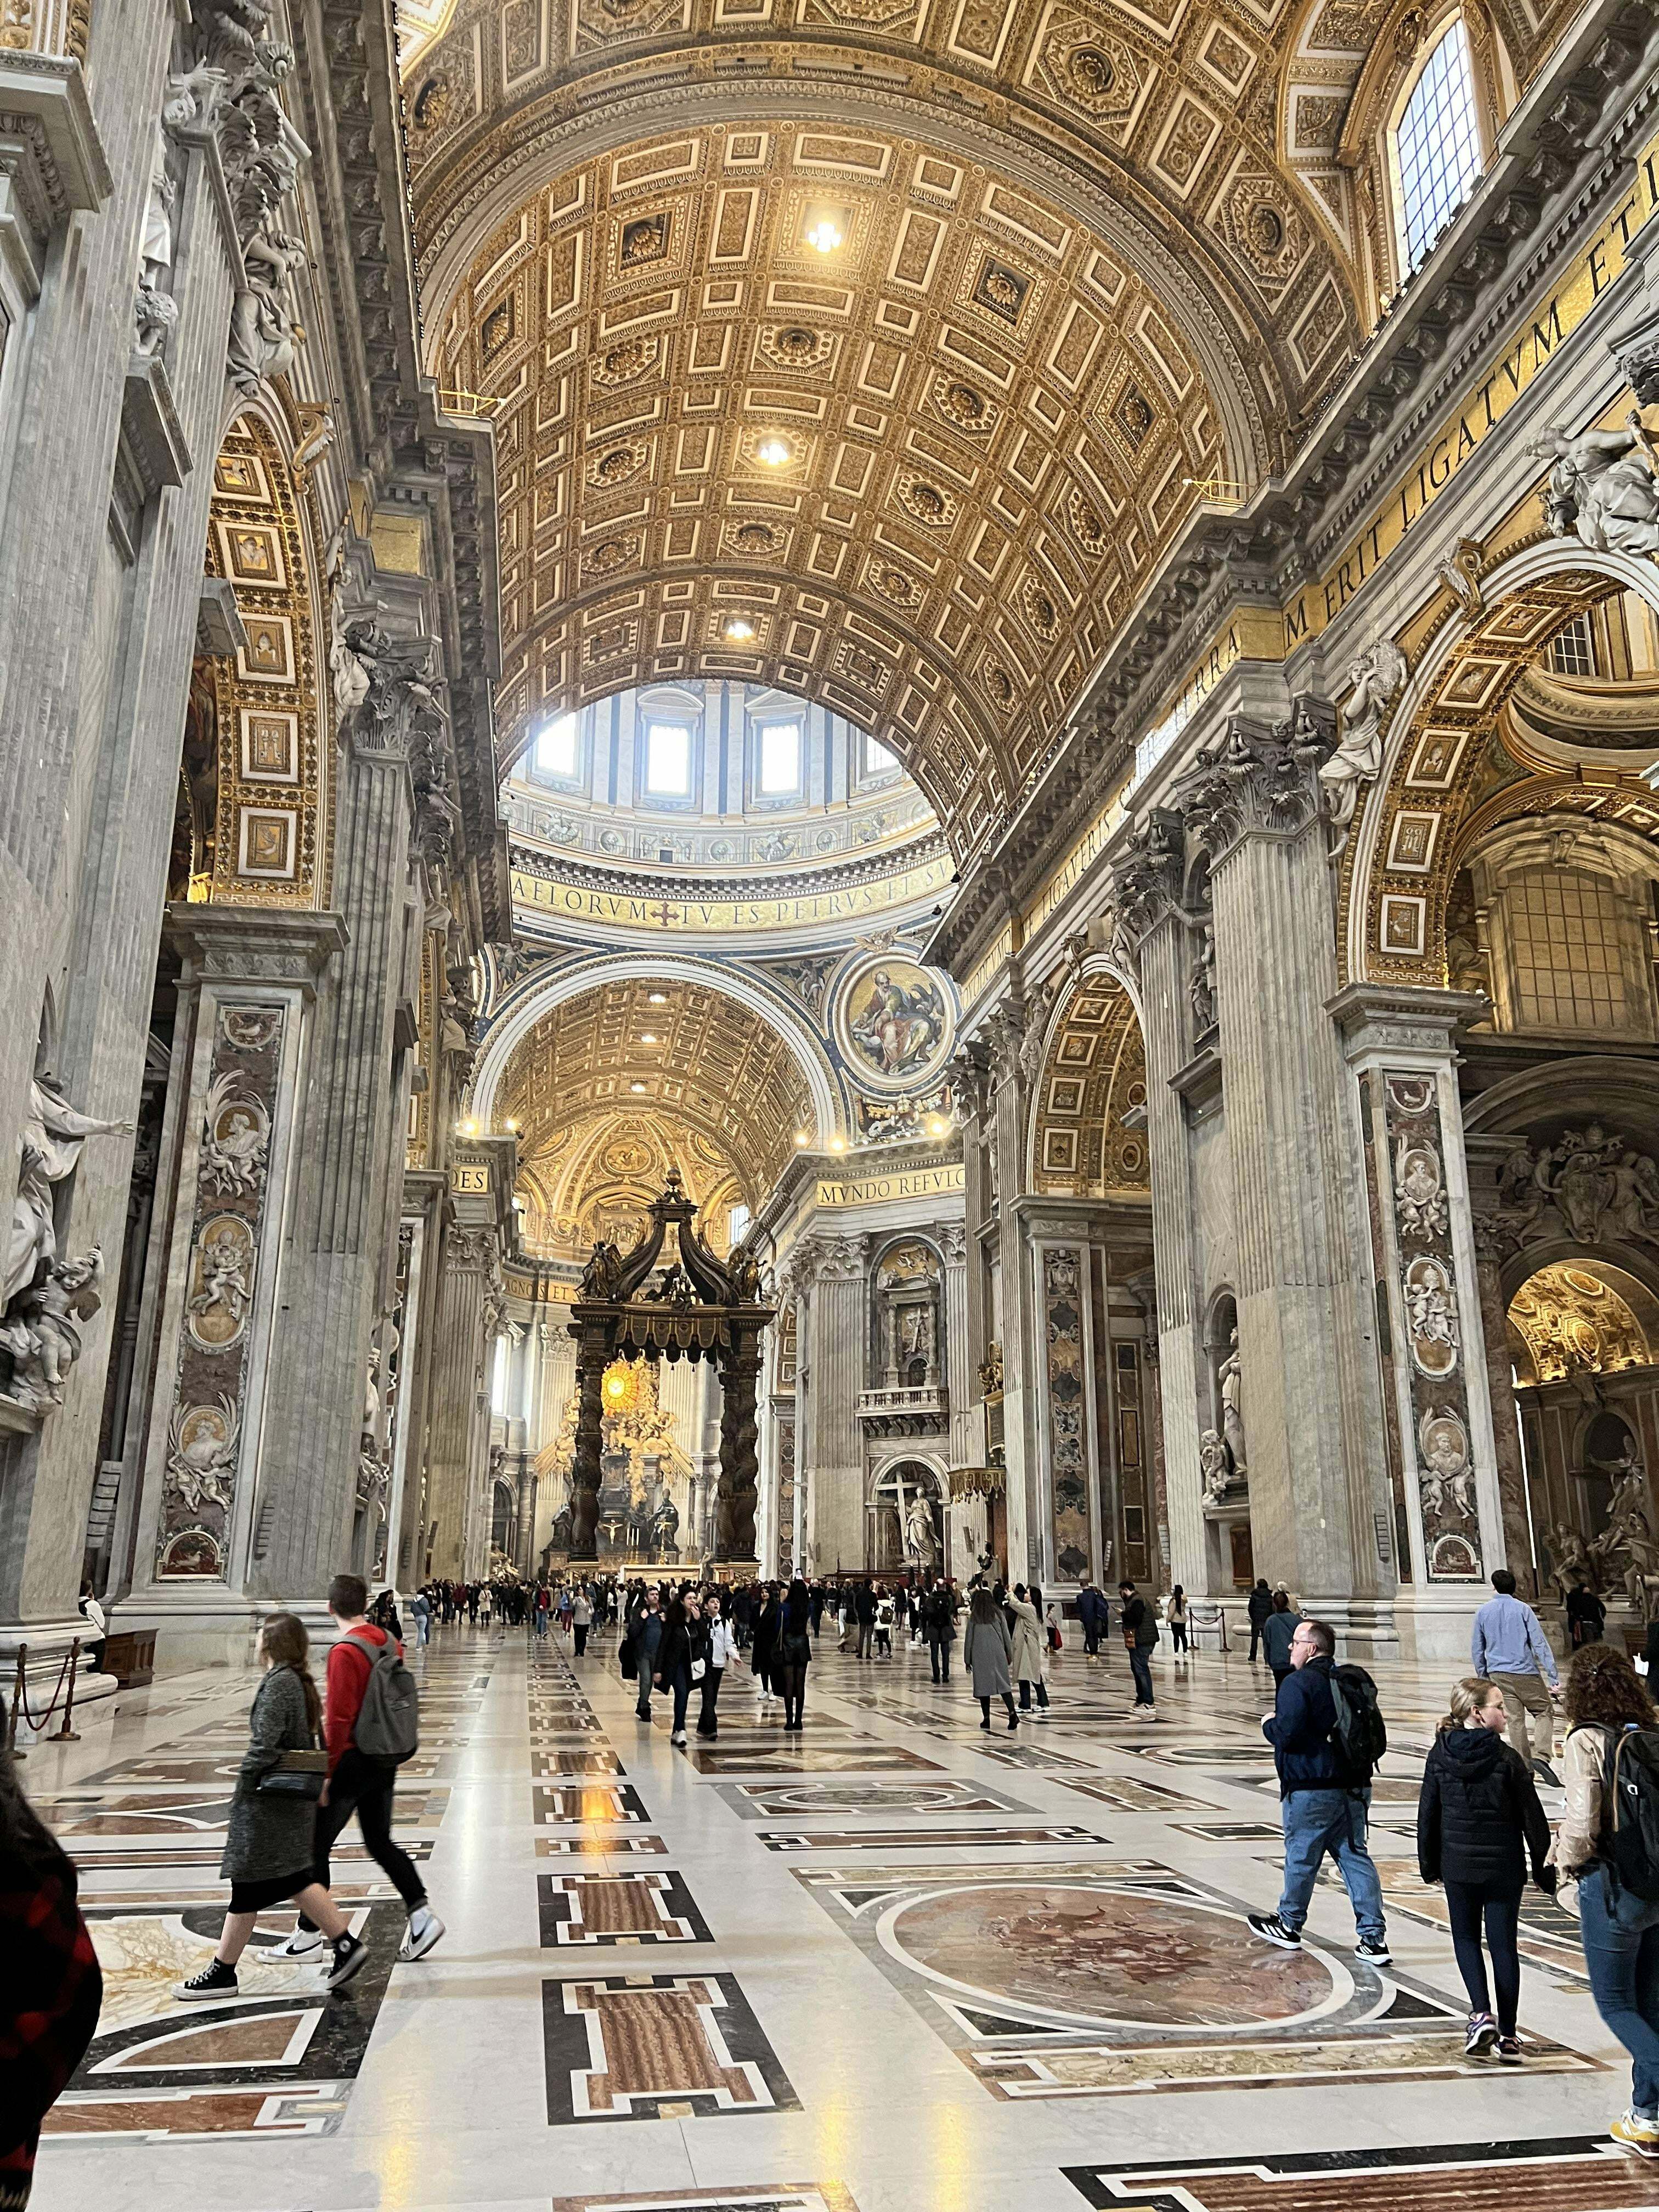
(1603, 489)
(921, 1539)
(1214, 1466)
(1231, 1378)
(52, 1137)
(1375, 681)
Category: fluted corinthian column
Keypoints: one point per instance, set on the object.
(458, 1426)
(1312, 1404)
(350, 1153)
(1146, 888)
(952, 1239)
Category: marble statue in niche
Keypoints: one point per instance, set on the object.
(1214, 1466)
(39, 1331)
(1230, 1378)
(42, 1296)
(921, 1537)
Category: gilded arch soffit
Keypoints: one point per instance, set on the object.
(1093, 1074)
(1445, 788)
(270, 829)
(716, 1068)
(992, 428)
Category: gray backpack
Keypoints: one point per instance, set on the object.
(389, 1718)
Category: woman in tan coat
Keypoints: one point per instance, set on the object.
(1026, 1663)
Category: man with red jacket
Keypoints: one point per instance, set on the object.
(358, 1782)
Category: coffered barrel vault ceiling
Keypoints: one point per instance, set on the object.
(723, 1090)
(1053, 319)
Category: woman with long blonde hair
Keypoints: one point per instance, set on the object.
(1478, 1820)
(269, 1849)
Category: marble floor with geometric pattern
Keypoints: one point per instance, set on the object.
(890, 1964)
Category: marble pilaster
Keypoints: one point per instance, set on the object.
(1147, 889)
(1401, 1045)
(832, 1272)
(458, 1420)
(1306, 1320)
(217, 1285)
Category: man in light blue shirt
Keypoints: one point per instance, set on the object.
(1509, 1648)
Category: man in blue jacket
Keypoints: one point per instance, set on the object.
(1093, 1615)
(1323, 1802)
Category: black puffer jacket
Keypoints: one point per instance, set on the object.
(1478, 1816)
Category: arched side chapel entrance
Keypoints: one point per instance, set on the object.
(1510, 849)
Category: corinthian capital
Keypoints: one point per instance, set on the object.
(1254, 779)
(1145, 884)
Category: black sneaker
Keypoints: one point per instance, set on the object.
(1546, 1774)
(350, 1957)
(1272, 1930)
(1374, 1954)
(216, 1980)
(1510, 2052)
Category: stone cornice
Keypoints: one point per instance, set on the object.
(1566, 153)
(688, 885)
(252, 944)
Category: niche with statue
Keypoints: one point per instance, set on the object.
(906, 1317)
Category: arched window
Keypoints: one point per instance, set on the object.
(1436, 145)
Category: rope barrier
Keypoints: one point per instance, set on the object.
(63, 1687)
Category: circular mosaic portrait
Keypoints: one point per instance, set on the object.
(894, 1023)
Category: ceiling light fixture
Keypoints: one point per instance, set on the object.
(823, 232)
(802, 1137)
(737, 629)
(938, 1127)
(776, 450)
(838, 1144)
(649, 1037)
(636, 1086)
(658, 999)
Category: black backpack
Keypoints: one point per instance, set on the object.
(1359, 1734)
(1631, 1811)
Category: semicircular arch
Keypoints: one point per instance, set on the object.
(552, 988)
(1396, 876)
(1093, 1072)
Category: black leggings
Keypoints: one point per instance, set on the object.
(1007, 1700)
(1500, 1902)
(792, 1681)
(365, 1785)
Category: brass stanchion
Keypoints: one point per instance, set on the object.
(16, 1701)
(66, 1734)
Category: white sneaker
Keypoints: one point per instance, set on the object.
(423, 1930)
(300, 1944)
(678, 1736)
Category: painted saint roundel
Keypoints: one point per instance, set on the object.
(894, 1024)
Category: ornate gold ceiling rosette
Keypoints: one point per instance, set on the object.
(965, 436)
(1442, 787)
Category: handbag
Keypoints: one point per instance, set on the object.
(699, 1668)
(296, 1774)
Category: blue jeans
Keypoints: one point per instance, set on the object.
(1333, 1820)
(1141, 1666)
(1621, 1951)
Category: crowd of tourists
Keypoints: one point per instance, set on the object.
(317, 1755)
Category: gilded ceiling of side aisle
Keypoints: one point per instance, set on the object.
(1094, 1075)
(688, 1060)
